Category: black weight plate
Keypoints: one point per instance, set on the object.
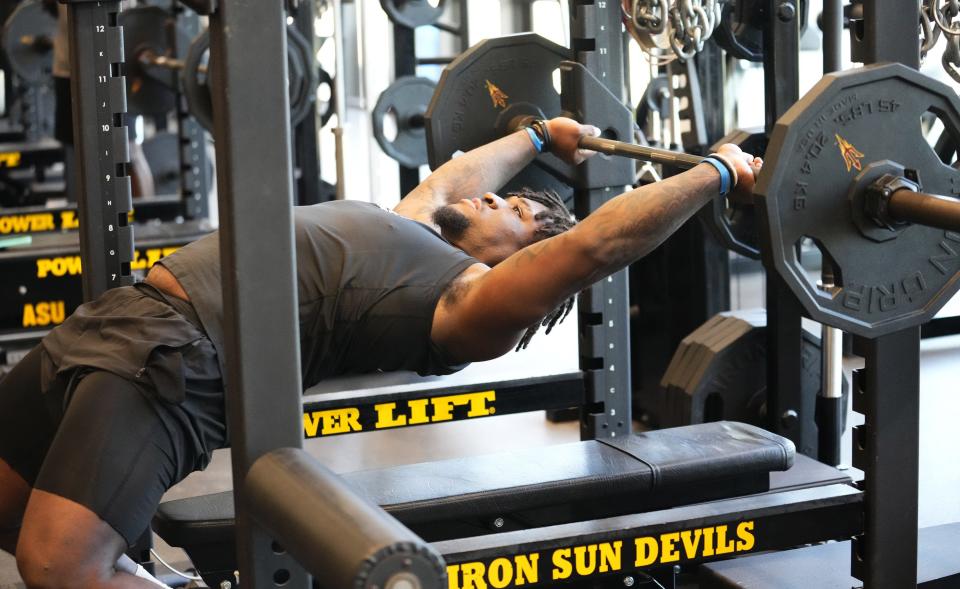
(406, 99)
(701, 352)
(730, 380)
(740, 31)
(196, 89)
(487, 89)
(674, 371)
(151, 90)
(326, 109)
(412, 13)
(163, 157)
(28, 42)
(734, 225)
(301, 78)
(655, 100)
(853, 121)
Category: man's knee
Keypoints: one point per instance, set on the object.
(64, 545)
(42, 568)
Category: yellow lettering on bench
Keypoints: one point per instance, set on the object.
(562, 568)
(390, 415)
(331, 422)
(745, 536)
(610, 556)
(648, 549)
(500, 573)
(691, 542)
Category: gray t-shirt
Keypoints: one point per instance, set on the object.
(368, 282)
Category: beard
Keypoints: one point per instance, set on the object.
(452, 223)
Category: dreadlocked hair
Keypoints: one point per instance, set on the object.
(553, 221)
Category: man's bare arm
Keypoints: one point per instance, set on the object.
(487, 168)
(492, 313)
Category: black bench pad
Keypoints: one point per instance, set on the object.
(633, 474)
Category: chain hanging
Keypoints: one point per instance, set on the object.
(942, 17)
(672, 29)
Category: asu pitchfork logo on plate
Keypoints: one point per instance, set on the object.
(496, 95)
(851, 155)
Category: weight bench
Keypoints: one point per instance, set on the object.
(523, 489)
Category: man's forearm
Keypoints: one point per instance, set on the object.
(481, 170)
(633, 224)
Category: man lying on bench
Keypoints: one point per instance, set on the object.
(125, 398)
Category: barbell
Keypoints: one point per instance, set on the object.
(888, 202)
(848, 169)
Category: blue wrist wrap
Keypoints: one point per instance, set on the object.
(726, 179)
(537, 144)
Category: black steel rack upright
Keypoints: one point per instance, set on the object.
(255, 194)
(788, 409)
(887, 390)
(405, 64)
(597, 44)
(102, 152)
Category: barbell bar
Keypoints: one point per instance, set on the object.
(149, 58)
(889, 201)
(931, 210)
(653, 155)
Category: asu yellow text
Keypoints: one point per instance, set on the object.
(44, 314)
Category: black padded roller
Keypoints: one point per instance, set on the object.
(339, 537)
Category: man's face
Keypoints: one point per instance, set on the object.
(489, 228)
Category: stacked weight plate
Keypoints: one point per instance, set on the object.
(719, 372)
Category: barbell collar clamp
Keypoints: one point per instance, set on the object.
(876, 199)
(893, 201)
(931, 210)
